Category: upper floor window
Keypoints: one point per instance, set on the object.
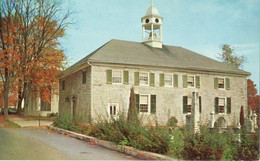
(190, 81)
(117, 76)
(84, 77)
(221, 83)
(144, 78)
(168, 81)
(63, 85)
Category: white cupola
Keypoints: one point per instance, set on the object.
(152, 27)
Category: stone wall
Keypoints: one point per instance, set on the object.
(74, 87)
(169, 100)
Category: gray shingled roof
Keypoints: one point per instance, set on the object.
(134, 53)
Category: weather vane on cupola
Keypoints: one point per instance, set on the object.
(152, 27)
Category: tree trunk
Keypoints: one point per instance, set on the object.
(27, 89)
(6, 93)
(20, 99)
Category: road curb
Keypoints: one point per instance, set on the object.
(110, 145)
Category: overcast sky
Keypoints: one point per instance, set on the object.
(201, 26)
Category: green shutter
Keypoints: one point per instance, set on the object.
(126, 77)
(185, 104)
(216, 83)
(227, 84)
(109, 76)
(200, 104)
(137, 102)
(197, 81)
(153, 104)
(137, 81)
(175, 77)
(229, 105)
(184, 81)
(152, 79)
(216, 105)
(161, 79)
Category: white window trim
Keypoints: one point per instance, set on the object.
(193, 79)
(149, 104)
(148, 84)
(117, 110)
(224, 83)
(225, 107)
(164, 80)
(121, 76)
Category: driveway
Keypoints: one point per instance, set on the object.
(41, 144)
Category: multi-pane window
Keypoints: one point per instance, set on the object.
(189, 104)
(144, 78)
(113, 109)
(221, 83)
(221, 105)
(190, 81)
(168, 80)
(117, 76)
(144, 103)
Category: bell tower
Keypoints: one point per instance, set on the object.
(152, 27)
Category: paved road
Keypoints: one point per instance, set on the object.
(40, 144)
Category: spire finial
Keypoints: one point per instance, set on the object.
(151, 2)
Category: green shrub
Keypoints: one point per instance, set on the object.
(208, 145)
(172, 122)
(67, 122)
(205, 146)
(248, 149)
(177, 144)
(118, 131)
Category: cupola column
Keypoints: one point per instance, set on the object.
(143, 33)
(161, 33)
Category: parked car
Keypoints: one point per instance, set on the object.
(10, 111)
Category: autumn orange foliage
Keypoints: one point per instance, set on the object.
(30, 53)
(252, 98)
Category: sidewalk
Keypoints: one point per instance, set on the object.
(29, 123)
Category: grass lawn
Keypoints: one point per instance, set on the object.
(10, 124)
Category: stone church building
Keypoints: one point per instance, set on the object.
(163, 76)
